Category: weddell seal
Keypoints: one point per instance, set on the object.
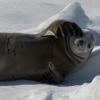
(49, 57)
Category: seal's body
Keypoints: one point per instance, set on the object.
(56, 52)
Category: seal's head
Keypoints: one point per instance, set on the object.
(78, 43)
(82, 46)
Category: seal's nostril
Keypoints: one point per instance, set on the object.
(79, 42)
(89, 45)
(78, 45)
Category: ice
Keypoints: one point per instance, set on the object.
(33, 16)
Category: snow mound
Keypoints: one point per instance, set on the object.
(73, 12)
(83, 84)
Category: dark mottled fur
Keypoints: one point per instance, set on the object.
(24, 56)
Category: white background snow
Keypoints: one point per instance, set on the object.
(27, 16)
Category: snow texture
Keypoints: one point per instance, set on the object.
(33, 16)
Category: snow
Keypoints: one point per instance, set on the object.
(34, 16)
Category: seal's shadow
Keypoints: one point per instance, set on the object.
(18, 82)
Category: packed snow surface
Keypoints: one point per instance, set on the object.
(32, 16)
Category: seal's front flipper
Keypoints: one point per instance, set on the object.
(52, 76)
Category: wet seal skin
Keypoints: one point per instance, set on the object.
(49, 57)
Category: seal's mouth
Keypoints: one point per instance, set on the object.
(83, 45)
